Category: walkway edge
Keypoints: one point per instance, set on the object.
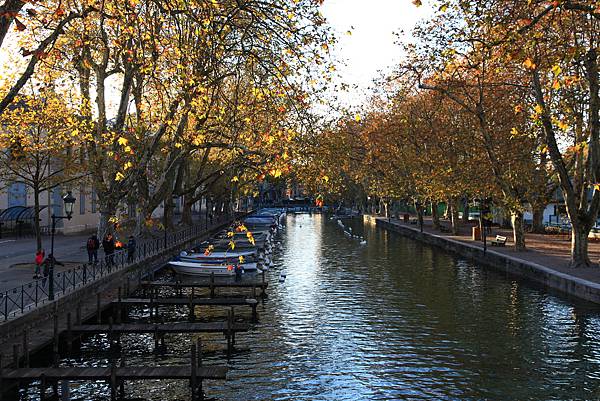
(543, 275)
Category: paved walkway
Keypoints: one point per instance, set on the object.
(550, 250)
(17, 256)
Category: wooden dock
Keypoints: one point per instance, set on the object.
(212, 283)
(190, 301)
(164, 328)
(115, 376)
(120, 373)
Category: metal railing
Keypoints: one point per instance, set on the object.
(30, 295)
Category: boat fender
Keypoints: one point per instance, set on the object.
(363, 242)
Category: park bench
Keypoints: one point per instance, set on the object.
(499, 241)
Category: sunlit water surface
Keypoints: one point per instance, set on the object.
(390, 320)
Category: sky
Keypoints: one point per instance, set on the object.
(371, 47)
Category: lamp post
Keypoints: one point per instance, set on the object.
(69, 201)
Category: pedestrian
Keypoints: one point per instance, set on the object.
(131, 249)
(92, 246)
(39, 259)
(108, 244)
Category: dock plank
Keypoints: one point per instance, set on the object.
(162, 328)
(207, 284)
(186, 301)
(122, 373)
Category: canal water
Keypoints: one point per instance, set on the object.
(389, 320)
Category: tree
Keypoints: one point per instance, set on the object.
(40, 146)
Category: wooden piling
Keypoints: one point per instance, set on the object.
(25, 348)
(228, 333)
(98, 310)
(122, 382)
(69, 333)
(156, 338)
(212, 285)
(113, 382)
(55, 339)
(16, 356)
(193, 375)
(192, 313)
(78, 314)
(199, 347)
(1, 384)
(231, 325)
(118, 311)
(110, 332)
(43, 386)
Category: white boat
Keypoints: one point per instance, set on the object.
(205, 269)
(201, 269)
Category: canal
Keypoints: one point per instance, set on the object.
(389, 320)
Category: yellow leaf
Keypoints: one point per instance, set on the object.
(119, 176)
(529, 64)
(235, 179)
(122, 141)
(556, 85)
(357, 118)
(556, 70)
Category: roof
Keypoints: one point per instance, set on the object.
(19, 213)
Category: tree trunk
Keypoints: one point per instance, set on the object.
(447, 211)
(453, 205)
(419, 208)
(537, 225)
(435, 216)
(36, 217)
(168, 213)
(465, 216)
(518, 230)
(579, 246)
(186, 213)
(104, 224)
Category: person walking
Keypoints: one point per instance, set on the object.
(108, 244)
(131, 244)
(39, 259)
(92, 246)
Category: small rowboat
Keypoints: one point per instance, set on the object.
(206, 269)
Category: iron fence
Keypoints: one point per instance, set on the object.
(30, 295)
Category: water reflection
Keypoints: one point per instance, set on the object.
(390, 320)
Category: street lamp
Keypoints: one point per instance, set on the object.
(69, 201)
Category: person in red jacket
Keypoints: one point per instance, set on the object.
(39, 259)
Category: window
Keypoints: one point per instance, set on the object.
(81, 200)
